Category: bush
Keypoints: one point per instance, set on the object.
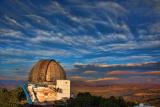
(11, 98)
(87, 100)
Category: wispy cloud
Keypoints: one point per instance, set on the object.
(152, 73)
(123, 73)
(104, 79)
(90, 72)
(133, 73)
(20, 52)
(77, 78)
(40, 20)
(12, 21)
(11, 33)
(109, 10)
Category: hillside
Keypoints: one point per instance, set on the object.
(141, 93)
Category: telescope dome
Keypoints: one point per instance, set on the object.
(46, 71)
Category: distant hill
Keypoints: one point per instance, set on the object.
(10, 84)
(141, 93)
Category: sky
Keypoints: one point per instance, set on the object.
(94, 40)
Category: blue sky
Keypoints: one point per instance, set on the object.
(77, 32)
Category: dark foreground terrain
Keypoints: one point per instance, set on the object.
(16, 98)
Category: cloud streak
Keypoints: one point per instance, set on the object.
(105, 36)
(104, 79)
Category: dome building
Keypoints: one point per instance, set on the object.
(46, 71)
(47, 83)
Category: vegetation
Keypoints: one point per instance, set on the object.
(16, 98)
(11, 98)
(87, 100)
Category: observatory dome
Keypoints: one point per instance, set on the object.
(46, 71)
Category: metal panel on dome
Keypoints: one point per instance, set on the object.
(46, 71)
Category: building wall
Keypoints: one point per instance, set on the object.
(65, 86)
(50, 93)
